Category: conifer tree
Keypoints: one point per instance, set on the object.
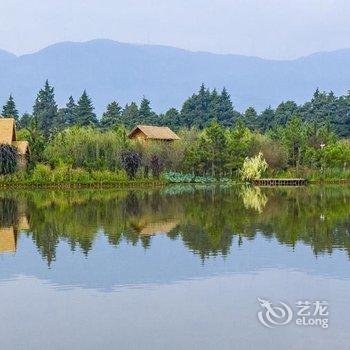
(147, 116)
(225, 114)
(70, 112)
(130, 115)
(45, 111)
(85, 111)
(251, 118)
(9, 110)
(112, 116)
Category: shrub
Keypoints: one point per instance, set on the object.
(156, 165)
(253, 167)
(131, 162)
(8, 159)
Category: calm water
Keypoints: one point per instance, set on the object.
(174, 268)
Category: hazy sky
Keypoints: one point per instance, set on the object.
(266, 28)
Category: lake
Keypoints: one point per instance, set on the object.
(178, 267)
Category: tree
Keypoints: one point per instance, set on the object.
(225, 113)
(266, 119)
(171, 118)
(285, 112)
(131, 162)
(70, 112)
(196, 109)
(85, 111)
(45, 111)
(147, 116)
(35, 138)
(251, 118)
(9, 110)
(213, 148)
(25, 120)
(8, 159)
(112, 116)
(130, 116)
(293, 137)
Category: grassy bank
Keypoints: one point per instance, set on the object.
(43, 176)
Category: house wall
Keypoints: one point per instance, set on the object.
(139, 136)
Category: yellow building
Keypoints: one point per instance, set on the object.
(8, 240)
(146, 133)
(8, 136)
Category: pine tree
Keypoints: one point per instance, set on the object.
(85, 111)
(130, 116)
(251, 118)
(9, 110)
(266, 119)
(45, 111)
(25, 121)
(70, 112)
(112, 116)
(225, 114)
(171, 119)
(147, 116)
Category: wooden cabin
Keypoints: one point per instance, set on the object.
(145, 133)
(8, 136)
(8, 240)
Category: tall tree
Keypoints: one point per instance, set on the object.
(130, 115)
(147, 116)
(227, 114)
(45, 111)
(85, 111)
(112, 116)
(70, 112)
(9, 110)
(266, 119)
(251, 118)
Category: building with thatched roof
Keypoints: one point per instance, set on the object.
(8, 136)
(155, 133)
(8, 240)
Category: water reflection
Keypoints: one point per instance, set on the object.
(157, 269)
(207, 221)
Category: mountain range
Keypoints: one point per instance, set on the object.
(111, 70)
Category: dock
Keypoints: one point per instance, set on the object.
(280, 182)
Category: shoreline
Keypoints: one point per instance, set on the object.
(139, 183)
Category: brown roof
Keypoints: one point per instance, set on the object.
(155, 132)
(8, 135)
(7, 130)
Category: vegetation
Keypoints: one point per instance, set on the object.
(8, 159)
(209, 222)
(308, 140)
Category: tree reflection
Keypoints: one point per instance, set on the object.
(206, 220)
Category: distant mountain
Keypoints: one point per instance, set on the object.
(167, 76)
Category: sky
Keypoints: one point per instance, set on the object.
(275, 29)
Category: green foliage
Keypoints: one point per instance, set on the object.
(9, 110)
(112, 116)
(200, 109)
(44, 174)
(85, 111)
(174, 177)
(86, 147)
(8, 159)
(45, 111)
(69, 115)
(254, 167)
